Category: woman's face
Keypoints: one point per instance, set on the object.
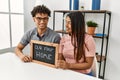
(68, 25)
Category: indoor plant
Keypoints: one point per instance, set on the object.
(91, 27)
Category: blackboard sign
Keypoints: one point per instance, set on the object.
(44, 52)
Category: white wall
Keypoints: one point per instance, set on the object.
(28, 6)
(29, 23)
(113, 66)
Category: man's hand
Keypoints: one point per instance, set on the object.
(25, 58)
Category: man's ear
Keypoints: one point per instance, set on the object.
(34, 19)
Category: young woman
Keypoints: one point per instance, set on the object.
(77, 48)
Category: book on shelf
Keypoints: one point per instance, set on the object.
(100, 34)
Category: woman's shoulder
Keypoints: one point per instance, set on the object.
(66, 37)
(88, 37)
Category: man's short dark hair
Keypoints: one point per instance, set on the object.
(40, 9)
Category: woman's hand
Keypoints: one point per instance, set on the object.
(62, 64)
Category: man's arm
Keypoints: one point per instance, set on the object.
(19, 53)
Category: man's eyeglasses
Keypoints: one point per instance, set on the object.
(40, 19)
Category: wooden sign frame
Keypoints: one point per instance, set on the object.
(55, 45)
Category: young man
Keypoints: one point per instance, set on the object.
(41, 32)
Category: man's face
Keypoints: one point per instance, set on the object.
(41, 20)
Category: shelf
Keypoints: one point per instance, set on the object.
(83, 11)
(97, 35)
(98, 58)
(61, 31)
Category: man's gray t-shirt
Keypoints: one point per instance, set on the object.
(48, 36)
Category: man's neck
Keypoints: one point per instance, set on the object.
(41, 31)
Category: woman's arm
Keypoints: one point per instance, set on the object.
(60, 57)
(80, 66)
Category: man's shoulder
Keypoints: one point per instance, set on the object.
(31, 31)
(52, 32)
